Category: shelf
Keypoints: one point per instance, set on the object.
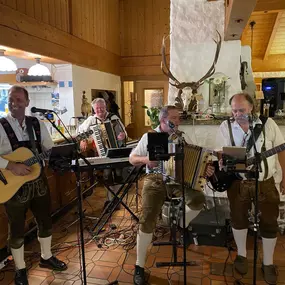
(11, 79)
(41, 83)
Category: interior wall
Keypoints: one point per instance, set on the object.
(85, 79)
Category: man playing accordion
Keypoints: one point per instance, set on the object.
(154, 190)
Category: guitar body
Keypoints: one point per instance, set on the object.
(16, 182)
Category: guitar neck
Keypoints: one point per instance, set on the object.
(267, 153)
(35, 159)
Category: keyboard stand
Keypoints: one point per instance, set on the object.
(117, 199)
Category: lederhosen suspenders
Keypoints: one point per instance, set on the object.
(256, 132)
(15, 143)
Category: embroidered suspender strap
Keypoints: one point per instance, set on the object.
(256, 132)
(263, 148)
(231, 132)
(31, 134)
(10, 133)
(37, 129)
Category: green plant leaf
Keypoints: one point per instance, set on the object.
(145, 107)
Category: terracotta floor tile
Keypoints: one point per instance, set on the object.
(100, 272)
(104, 265)
(125, 277)
(111, 256)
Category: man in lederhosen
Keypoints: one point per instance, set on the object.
(242, 191)
(16, 131)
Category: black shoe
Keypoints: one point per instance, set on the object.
(53, 263)
(21, 277)
(139, 276)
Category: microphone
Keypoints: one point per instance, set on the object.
(171, 125)
(38, 110)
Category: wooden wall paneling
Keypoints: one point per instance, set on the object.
(91, 20)
(38, 10)
(156, 26)
(30, 8)
(11, 3)
(22, 32)
(45, 11)
(140, 27)
(134, 29)
(58, 15)
(95, 22)
(122, 27)
(21, 6)
(85, 27)
(149, 33)
(65, 15)
(51, 11)
(103, 26)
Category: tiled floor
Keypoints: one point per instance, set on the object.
(105, 264)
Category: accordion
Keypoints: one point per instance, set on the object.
(105, 136)
(196, 159)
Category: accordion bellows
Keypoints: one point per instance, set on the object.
(195, 163)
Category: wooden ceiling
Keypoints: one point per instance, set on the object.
(267, 38)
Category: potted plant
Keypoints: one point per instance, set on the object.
(153, 113)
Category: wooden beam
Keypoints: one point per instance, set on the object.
(272, 63)
(22, 32)
(268, 5)
(237, 14)
(272, 36)
(141, 65)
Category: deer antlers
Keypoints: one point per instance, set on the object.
(193, 85)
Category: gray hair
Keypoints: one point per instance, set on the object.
(98, 100)
(164, 111)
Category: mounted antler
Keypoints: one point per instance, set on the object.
(193, 85)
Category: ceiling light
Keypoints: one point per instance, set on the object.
(38, 69)
(6, 64)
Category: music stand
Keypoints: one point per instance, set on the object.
(61, 158)
(158, 151)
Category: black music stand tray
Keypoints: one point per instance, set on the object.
(117, 199)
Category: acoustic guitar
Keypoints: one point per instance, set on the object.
(221, 180)
(10, 183)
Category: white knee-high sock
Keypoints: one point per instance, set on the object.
(268, 250)
(189, 216)
(143, 241)
(240, 239)
(45, 247)
(18, 256)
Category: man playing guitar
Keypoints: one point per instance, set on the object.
(34, 195)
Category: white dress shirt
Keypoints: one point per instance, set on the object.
(141, 148)
(273, 138)
(22, 135)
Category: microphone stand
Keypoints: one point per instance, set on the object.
(76, 170)
(184, 263)
(257, 165)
